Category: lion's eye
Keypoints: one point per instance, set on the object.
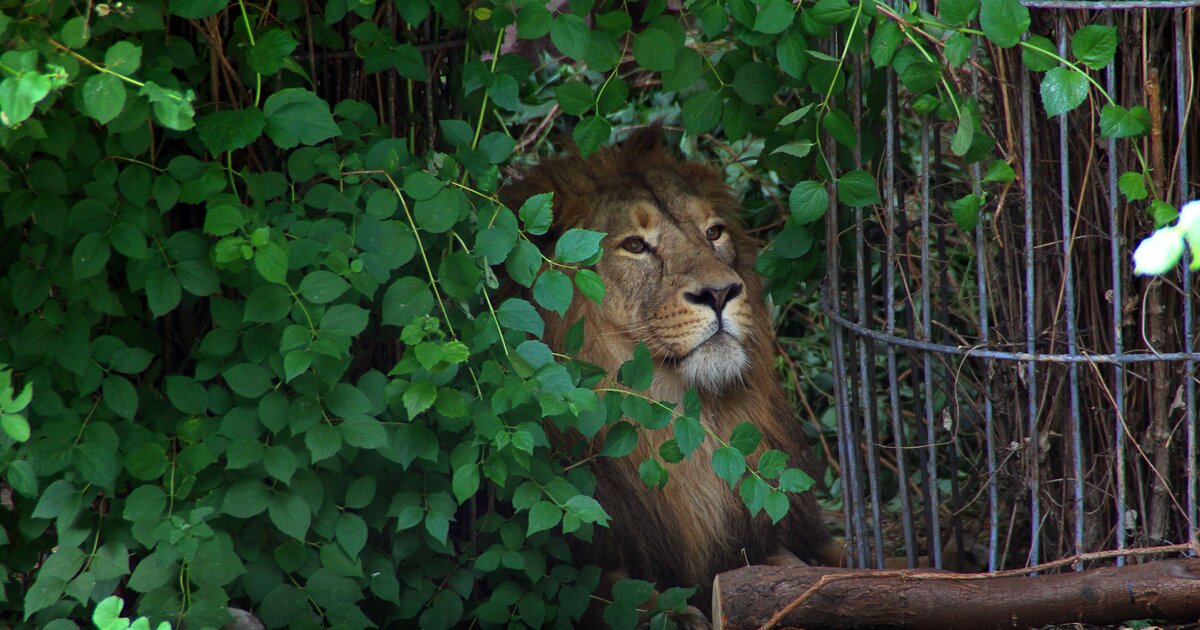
(634, 245)
(714, 233)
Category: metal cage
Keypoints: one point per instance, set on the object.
(1029, 396)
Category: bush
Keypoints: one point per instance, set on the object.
(258, 349)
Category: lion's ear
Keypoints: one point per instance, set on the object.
(644, 143)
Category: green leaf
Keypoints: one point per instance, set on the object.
(1118, 122)
(808, 202)
(621, 439)
(518, 314)
(406, 300)
(271, 51)
(1132, 185)
(1094, 45)
(187, 395)
(966, 211)
(654, 49)
(638, 372)
(321, 287)
(857, 189)
(123, 57)
(570, 35)
(745, 437)
(590, 133)
(197, 9)
(290, 514)
(831, 11)
(542, 516)
(268, 303)
(439, 214)
(345, 319)
(958, 49)
(90, 256)
(280, 463)
(15, 426)
(244, 499)
(792, 54)
(120, 396)
(956, 12)
(754, 493)
(146, 461)
(1039, 54)
(523, 263)
(577, 244)
(1063, 90)
(776, 504)
(701, 112)
(271, 261)
(771, 463)
(774, 17)
(155, 570)
(652, 473)
(296, 116)
(222, 220)
(999, 171)
(533, 21)
(227, 130)
(575, 97)
(419, 397)
(553, 291)
(103, 97)
(755, 82)
(795, 480)
(688, 434)
(885, 43)
(248, 380)
(590, 284)
(1004, 21)
(536, 214)
(729, 464)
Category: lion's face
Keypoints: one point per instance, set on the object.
(676, 266)
(669, 266)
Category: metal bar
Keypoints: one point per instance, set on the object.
(847, 446)
(1035, 511)
(865, 352)
(1023, 357)
(930, 475)
(981, 260)
(1181, 178)
(1110, 5)
(889, 307)
(1068, 234)
(1114, 231)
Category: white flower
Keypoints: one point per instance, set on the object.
(1159, 252)
(1189, 216)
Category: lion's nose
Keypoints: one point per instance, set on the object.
(715, 298)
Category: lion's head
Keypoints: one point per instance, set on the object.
(676, 264)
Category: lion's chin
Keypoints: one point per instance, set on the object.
(715, 364)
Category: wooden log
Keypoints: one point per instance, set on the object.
(761, 597)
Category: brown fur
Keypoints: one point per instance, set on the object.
(695, 527)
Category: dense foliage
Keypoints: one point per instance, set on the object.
(259, 337)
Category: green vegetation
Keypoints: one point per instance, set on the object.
(255, 342)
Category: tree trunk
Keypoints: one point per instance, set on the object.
(812, 597)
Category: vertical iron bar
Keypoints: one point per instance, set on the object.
(847, 445)
(1068, 234)
(1114, 231)
(930, 474)
(865, 349)
(981, 256)
(1181, 177)
(889, 305)
(1034, 446)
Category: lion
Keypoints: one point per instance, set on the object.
(677, 267)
